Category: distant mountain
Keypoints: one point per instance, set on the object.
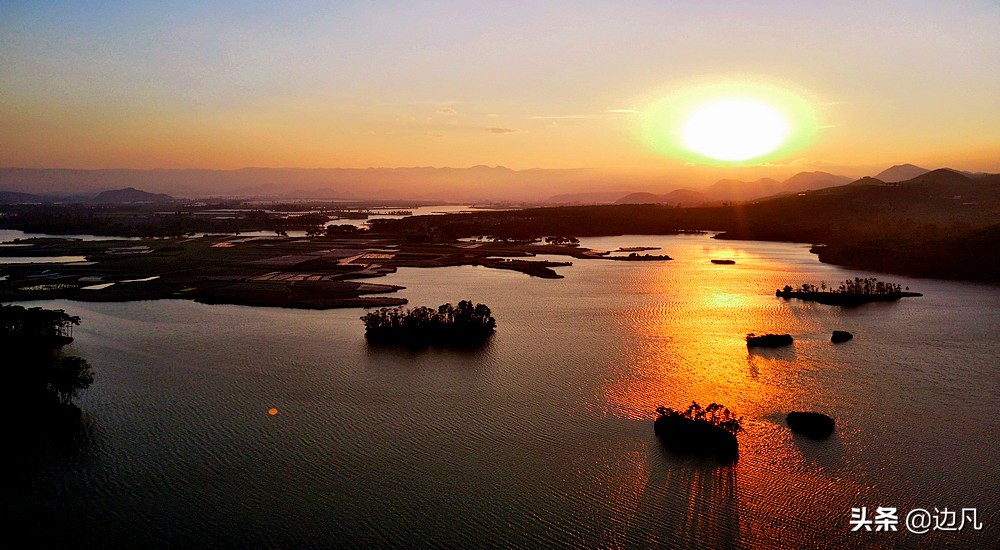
(900, 172)
(469, 185)
(476, 183)
(731, 190)
(867, 180)
(13, 197)
(130, 195)
(941, 177)
(322, 193)
(683, 197)
(807, 181)
(594, 197)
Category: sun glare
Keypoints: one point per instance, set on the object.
(735, 122)
(735, 130)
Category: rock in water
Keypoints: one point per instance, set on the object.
(769, 340)
(840, 336)
(813, 425)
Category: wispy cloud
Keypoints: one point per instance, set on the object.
(495, 130)
(447, 111)
(590, 115)
(434, 135)
(559, 117)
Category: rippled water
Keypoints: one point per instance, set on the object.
(544, 437)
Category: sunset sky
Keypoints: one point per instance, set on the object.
(525, 84)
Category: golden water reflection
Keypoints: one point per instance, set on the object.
(686, 343)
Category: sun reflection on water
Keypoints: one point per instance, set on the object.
(690, 346)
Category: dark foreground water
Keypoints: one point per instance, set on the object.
(542, 438)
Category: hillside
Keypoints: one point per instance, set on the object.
(807, 181)
(13, 197)
(130, 195)
(683, 197)
(731, 190)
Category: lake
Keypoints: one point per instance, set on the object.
(544, 437)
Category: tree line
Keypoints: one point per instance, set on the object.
(869, 286)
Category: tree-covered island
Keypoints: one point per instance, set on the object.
(466, 324)
(849, 293)
(709, 431)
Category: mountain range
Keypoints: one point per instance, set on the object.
(471, 185)
(474, 184)
(731, 190)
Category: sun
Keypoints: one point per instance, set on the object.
(735, 129)
(729, 121)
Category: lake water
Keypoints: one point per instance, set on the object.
(542, 438)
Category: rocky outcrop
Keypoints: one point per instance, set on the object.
(768, 340)
(813, 425)
(840, 336)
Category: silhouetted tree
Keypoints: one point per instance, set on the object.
(67, 376)
(715, 414)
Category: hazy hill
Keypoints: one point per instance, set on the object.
(683, 197)
(738, 191)
(594, 197)
(130, 195)
(900, 172)
(732, 190)
(476, 183)
(807, 181)
(13, 197)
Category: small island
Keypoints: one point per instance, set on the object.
(768, 340)
(850, 293)
(813, 425)
(465, 325)
(636, 257)
(724, 262)
(709, 431)
(636, 248)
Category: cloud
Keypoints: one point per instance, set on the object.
(591, 115)
(559, 117)
(491, 114)
(447, 111)
(495, 130)
(434, 135)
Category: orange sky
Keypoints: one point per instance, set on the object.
(549, 84)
